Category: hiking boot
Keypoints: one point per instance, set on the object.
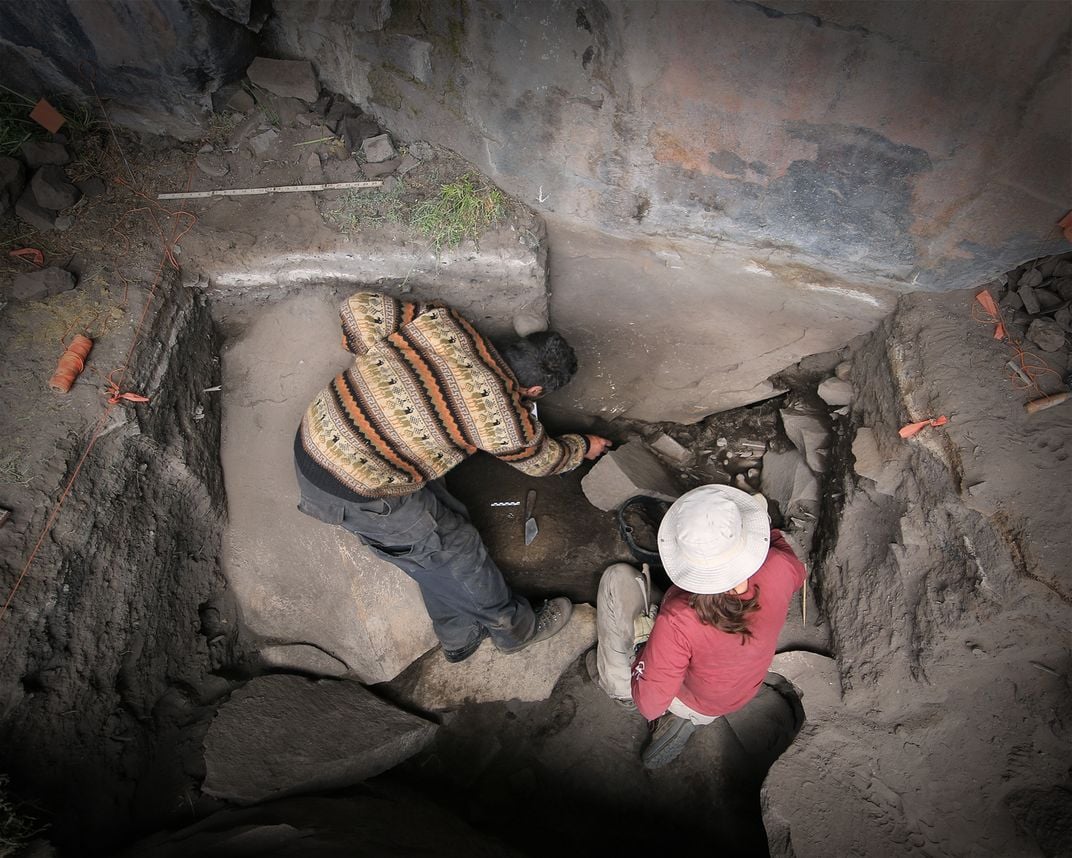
(456, 655)
(550, 620)
(593, 673)
(667, 740)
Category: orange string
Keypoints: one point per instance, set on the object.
(986, 311)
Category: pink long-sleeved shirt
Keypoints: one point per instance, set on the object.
(709, 670)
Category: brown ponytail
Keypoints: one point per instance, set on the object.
(727, 612)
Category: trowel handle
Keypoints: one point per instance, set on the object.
(1037, 405)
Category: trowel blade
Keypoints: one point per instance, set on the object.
(530, 530)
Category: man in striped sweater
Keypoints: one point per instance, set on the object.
(425, 391)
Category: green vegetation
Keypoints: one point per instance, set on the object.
(462, 209)
(362, 206)
(17, 827)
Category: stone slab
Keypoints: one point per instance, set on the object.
(297, 580)
(810, 434)
(303, 658)
(787, 479)
(287, 78)
(488, 675)
(629, 470)
(281, 735)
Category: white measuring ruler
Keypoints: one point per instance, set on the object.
(277, 189)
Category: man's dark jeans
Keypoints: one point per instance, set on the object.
(428, 536)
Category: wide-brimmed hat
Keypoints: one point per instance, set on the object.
(713, 538)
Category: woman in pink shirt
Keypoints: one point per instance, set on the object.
(714, 636)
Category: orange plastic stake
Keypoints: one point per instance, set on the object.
(991, 307)
(71, 364)
(912, 428)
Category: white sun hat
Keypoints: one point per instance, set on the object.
(713, 538)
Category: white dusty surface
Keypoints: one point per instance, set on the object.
(296, 579)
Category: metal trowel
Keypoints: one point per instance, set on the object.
(530, 523)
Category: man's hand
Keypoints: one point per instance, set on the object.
(597, 446)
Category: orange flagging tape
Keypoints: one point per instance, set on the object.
(71, 364)
(30, 254)
(990, 305)
(912, 428)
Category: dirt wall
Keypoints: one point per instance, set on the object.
(104, 664)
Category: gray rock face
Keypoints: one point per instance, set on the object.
(53, 190)
(304, 658)
(39, 153)
(288, 78)
(12, 183)
(281, 735)
(38, 285)
(488, 675)
(869, 462)
(629, 470)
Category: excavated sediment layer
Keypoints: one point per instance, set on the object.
(946, 587)
(104, 661)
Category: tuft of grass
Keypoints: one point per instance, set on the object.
(17, 826)
(220, 128)
(362, 206)
(16, 127)
(462, 209)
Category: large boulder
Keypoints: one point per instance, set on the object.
(630, 470)
(281, 735)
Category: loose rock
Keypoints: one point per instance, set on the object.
(670, 449)
(212, 165)
(288, 78)
(264, 141)
(1031, 279)
(629, 470)
(1047, 334)
(94, 186)
(12, 183)
(52, 189)
(810, 435)
(1027, 295)
(1064, 288)
(39, 153)
(407, 163)
(842, 370)
(241, 101)
(1063, 317)
(1048, 301)
(382, 168)
(529, 323)
(41, 284)
(835, 392)
(28, 209)
(1012, 301)
(378, 148)
(788, 481)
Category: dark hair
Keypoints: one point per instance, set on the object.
(727, 612)
(543, 358)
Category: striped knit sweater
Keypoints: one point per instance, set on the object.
(424, 392)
